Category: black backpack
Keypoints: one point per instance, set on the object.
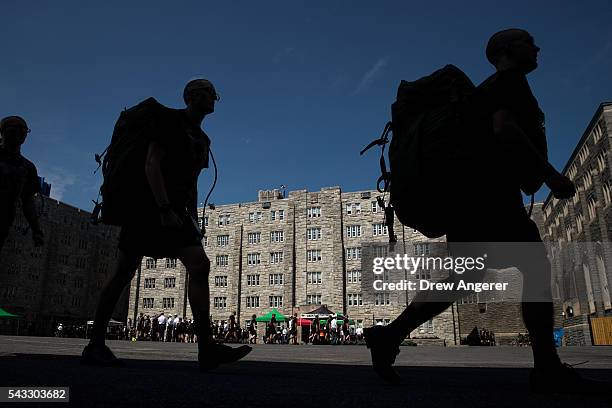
(125, 185)
(429, 120)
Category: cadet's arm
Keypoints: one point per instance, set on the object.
(514, 140)
(155, 154)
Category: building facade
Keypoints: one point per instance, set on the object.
(292, 253)
(60, 281)
(579, 231)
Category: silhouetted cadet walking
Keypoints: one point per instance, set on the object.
(511, 156)
(18, 179)
(161, 223)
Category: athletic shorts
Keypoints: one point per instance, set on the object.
(153, 240)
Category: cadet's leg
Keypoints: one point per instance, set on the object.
(198, 268)
(125, 269)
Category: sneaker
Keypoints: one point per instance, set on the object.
(564, 379)
(216, 354)
(99, 355)
(383, 351)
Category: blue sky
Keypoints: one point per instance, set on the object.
(304, 85)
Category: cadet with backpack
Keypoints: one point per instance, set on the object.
(460, 157)
(150, 174)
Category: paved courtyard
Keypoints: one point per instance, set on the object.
(165, 374)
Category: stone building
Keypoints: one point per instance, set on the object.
(579, 231)
(60, 281)
(292, 253)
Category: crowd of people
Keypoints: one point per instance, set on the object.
(331, 331)
(162, 328)
(481, 337)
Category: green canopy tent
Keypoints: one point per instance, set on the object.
(4, 313)
(268, 316)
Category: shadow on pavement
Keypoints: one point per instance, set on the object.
(165, 383)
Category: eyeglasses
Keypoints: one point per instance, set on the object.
(24, 129)
(209, 91)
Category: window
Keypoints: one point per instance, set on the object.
(252, 280)
(255, 216)
(353, 276)
(220, 281)
(205, 241)
(605, 189)
(206, 221)
(222, 240)
(422, 273)
(220, 302)
(583, 154)
(597, 131)
(314, 212)
(280, 215)
(314, 278)
(81, 263)
(381, 251)
(224, 219)
(354, 299)
(82, 244)
(591, 206)
(169, 282)
(276, 257)
(571, 173)
(168, 303)
(170, 262)
(148, 303)
(588, 179)
(150, 263)
(276, 279)
(353, 231)
(353, 253)
(222, 260)
(601, 161)
(276, 301)
(313, 299)
(61, 279)
(11, 291)
(253, 259)
(382, 299)
(76, 301)
(252, 301)
(254, 237)
(427, 327)
(379, 229)
(421, 249)
(149, 283)
(579, 222)
(313, 234)
(277, 236)
(353, 208)
(313, 255)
